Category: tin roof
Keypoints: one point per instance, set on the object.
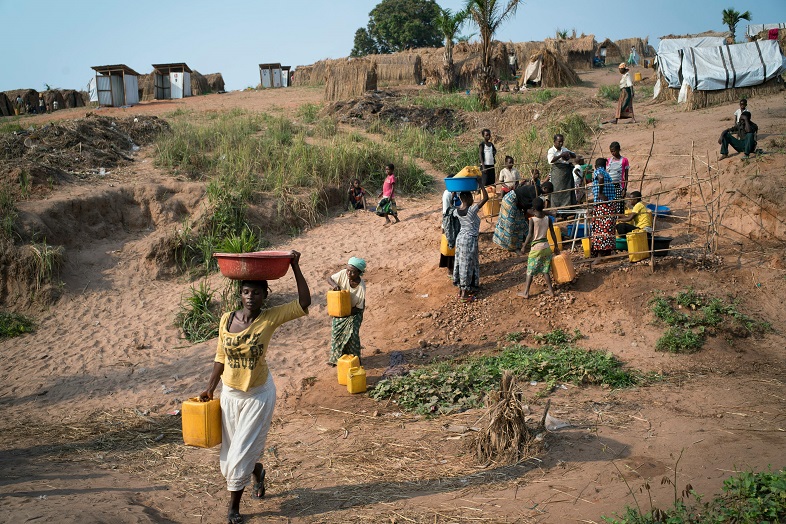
(114, 68)
(176, 67)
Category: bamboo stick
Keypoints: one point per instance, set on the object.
(649, 155)
(690, 192)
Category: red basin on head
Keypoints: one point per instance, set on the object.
(260, 265)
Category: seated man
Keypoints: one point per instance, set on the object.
(639, 218)
(747, 144)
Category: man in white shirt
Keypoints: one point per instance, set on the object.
(509, 176)
(561, 173)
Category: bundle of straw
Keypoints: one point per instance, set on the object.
(505, 437)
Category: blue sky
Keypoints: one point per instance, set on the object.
(56, 42)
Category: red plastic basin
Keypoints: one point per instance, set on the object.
(260, 265)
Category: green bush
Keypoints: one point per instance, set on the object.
(13, 325)
(609, 92)
(197, 317)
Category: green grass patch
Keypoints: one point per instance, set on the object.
(689, 314)
(198, 317)
(242, 155)
(308, 113)
(13, 325)
(12, 126)
(8, 211)
(609, 92)
(446, 387)
(747, 498)
(438, 147)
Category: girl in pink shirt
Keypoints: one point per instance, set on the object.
(387, 206)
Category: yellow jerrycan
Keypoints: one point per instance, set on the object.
(563, 269)
(201, 422)
(638, 249)
(356, 380)
(345, 362)
(444, 249)
(339, 303)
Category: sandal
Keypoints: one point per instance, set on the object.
(234, 517)
(258, 489)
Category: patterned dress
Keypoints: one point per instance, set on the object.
(466, 269)
(511, 226)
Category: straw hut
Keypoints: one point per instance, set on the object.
(609, 53)
(52, 96)
(642, 47)
(116, 85)
(72, 98)
(199, 84)
(171, 81)
(350, 78)
(6, 107)
(216, 82)
(29, 96)
(398, 69)
(578, 52)
(523, 51)
(431, 64)
(547, 69)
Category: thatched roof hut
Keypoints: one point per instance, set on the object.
(350, 78)
(216, 82)
(72, 98)
(642, 47)
(398, 69)
(199, 85)
(609, 53)
(578, 51)
(523, 51)
(314, 74)
(146, 86)
(6, 107)
(29, 96)
(547, 69)
(51, 96)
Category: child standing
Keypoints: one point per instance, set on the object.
(466, 268)
(387, 206)
(539, 259)
(509, 176)
(487, 156)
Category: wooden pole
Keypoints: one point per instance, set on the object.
(690, 190)
(652, 239)
(643, 173)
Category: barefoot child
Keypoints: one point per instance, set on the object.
(539, 260)
(387, 206)
(466, 267)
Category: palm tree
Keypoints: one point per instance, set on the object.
(488, 15)
(732, 17)
(449, 23)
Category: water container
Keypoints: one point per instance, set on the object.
(201, 422)
(558, 233)
(344, 364)
(491, 208)
(585, 243)
(637, 77)
(356, 380)
(638, 248)
(339, 303)
(563, 269)
(444, 249)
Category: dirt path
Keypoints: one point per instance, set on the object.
(110, 345)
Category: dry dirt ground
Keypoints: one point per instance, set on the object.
(86, 399)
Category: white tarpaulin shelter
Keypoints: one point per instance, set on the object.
(729, 66)
(533, 72)
(669, 56)
(755, 29)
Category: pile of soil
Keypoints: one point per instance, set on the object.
(382, 105)
(81, 147)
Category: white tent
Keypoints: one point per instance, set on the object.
(669, 56)
(728, 66)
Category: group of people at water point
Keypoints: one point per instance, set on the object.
(248, 395)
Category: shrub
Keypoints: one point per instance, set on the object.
(13, 325)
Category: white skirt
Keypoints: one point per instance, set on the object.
(245, 421)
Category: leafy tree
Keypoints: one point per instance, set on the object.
(489, 15)
(364, 44)
(396, 25)
(449, 24)
(732, 17)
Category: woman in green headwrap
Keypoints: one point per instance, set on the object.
(345, 335)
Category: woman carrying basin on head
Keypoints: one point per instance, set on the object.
(248, 395)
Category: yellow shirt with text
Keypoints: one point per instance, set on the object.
(243, 354)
